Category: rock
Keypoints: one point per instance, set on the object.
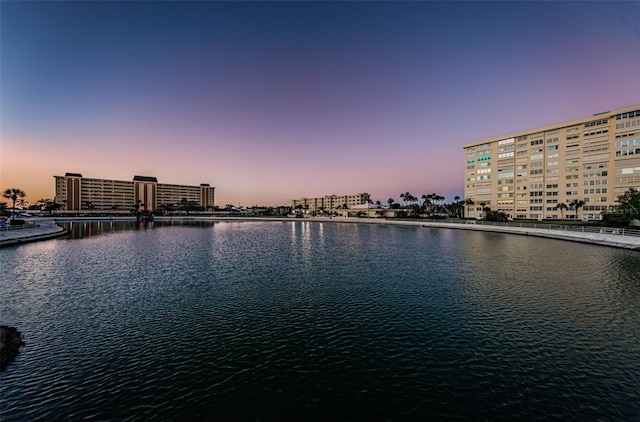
(10, 342)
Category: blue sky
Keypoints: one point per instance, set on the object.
(270, 101)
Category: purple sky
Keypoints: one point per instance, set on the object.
(271, 101)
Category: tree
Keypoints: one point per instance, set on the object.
(48, 205)
(188, 206)
(630, 200)
(628, 209)
(576, 204)
(14, 194)
(136, 207)
(426, 201)
(468, 202)
(562, 206)
(456, 205)
(52, 206)
(490, 215)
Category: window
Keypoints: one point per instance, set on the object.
(628, 170)
(627, 115)
(596, 132)
(628, 143)
(626, 152)
(596, 123)
(595, 182)
(590, 166)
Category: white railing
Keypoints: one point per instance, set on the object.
(563, 227)
(20, 226)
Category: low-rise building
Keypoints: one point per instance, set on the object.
(330, 202)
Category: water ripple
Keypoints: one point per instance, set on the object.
(297, 321)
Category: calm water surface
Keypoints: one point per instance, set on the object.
(319, 321)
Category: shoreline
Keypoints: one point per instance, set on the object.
(43, 231)
(48, 228)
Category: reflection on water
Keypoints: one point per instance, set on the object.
(82, 229)
(311, 321)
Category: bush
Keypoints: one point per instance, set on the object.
(496, 216)
(617, 219)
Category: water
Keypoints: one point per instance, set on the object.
(319, 321)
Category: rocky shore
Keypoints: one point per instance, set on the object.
(10, 342)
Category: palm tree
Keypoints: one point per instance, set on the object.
(457, 205)
(405, 197)
(14, 194)
(483, 206)
(562, 206)
(426, 201)
(468, 202)
(576, 204)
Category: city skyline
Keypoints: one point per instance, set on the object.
(273, 101)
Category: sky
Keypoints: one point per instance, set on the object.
(271, 101)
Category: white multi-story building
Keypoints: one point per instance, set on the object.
(331, 202)
(76, 193)
(527, 174)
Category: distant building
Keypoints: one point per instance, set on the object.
(76, 193)
(527, 174)
(330, 202)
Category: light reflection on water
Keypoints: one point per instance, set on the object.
(319, 321)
